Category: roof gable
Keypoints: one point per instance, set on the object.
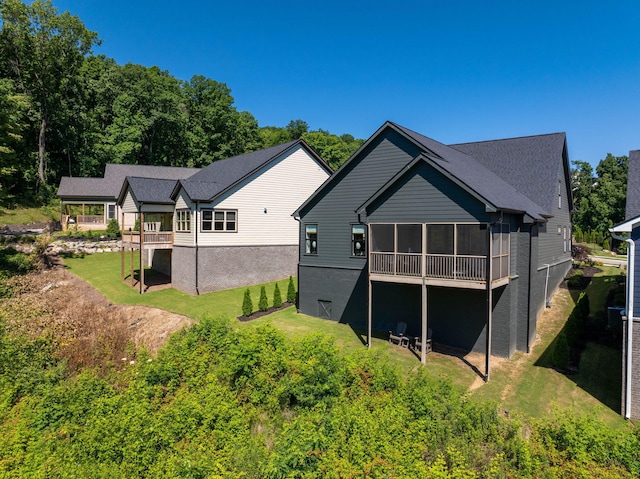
(148, 190)
(633, 186)
(222, 175)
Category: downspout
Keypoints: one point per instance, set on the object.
(195, 227)
(547, 303)
(630, 278)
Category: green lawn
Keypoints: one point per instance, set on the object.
(23, 216)
(524, 384)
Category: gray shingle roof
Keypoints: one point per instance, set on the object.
(477, 176)
(82, 187)
(633, 186)
(222, 174)
(150, 190)
(530, 164)
(114, 174)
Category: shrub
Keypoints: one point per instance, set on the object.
(277, 297)
(113, 230)
(606, 244)
(580, 252)
(247, 304)
(263, 303)
(291, 291)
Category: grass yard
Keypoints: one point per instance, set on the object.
(23, 216)
(525, 384)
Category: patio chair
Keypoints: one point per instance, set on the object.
(417, 342)
(398, 337)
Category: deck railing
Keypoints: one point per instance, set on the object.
(89, 219)
(465, 268)
(152, 237)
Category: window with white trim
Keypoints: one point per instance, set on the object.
(225, 220)
(183, 221)
(219, 221)
(111, 212)
(358, 240)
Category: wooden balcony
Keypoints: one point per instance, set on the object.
(436, 269)
(154, 239)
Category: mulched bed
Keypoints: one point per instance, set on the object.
(588, 272)
(259, 314)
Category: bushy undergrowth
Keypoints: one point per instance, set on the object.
(221, 402)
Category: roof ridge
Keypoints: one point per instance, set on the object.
(509, 138)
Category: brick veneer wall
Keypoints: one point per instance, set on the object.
(231, 267)
(635, 372)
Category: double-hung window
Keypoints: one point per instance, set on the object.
(183, 221)
(111, 212)
(219, 220)
(311, 239)
(225, 220)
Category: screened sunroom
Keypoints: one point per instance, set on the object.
(446, 254)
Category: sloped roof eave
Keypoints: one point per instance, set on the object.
(535, 215)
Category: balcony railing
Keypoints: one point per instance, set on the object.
(90, 219)
(150, 237)
(442, 266)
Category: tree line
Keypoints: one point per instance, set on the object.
(599, 197)
(67, 112)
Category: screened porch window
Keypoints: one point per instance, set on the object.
(500, 251)
(456, 251)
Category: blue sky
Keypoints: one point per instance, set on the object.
(455, 71)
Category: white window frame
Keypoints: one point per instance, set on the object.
(363, 249)
(183, 221)
(218, 221)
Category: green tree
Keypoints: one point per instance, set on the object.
(217, 130)
(599, 201)
(12, 108)
(296, 129)
(43, 51)
(263, 303)
(291, 291)
(277, 297)
(334, 149)
(247, 304)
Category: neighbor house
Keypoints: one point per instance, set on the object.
(468, 241)
(631, 319)
(228, 225)
(90, 203)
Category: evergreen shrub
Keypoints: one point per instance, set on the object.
(291, 291)
(263, 303)
(277, 297)
(247, 304)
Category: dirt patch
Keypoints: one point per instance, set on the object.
(88, 329)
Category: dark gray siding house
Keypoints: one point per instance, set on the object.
(411, 230)
(631, 320)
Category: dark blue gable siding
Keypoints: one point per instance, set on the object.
(334, 209)
(424, 195)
